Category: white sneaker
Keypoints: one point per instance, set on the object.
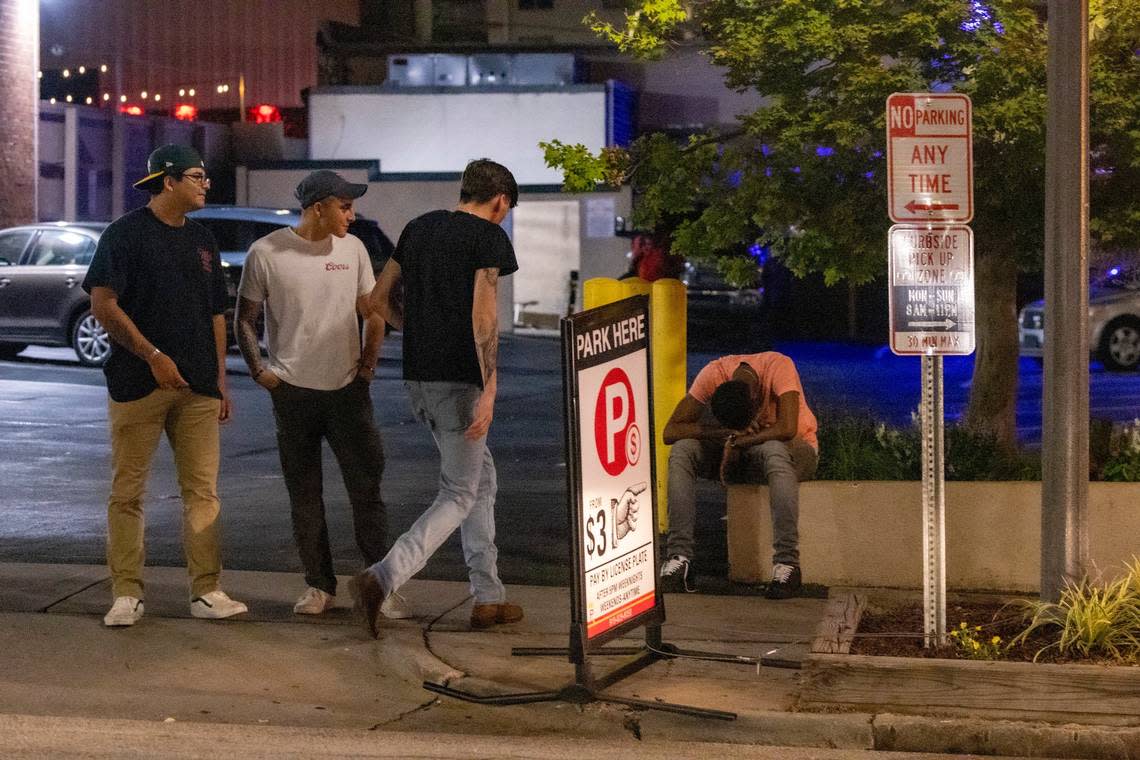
(215, 605)
(125, 611)
(395, 607)
(313, 602)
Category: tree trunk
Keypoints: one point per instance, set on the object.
(993, 392)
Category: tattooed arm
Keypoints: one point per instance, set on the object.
(245, 331)
(485, 325)
(105, 307)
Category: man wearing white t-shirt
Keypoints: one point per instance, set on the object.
(313, 280)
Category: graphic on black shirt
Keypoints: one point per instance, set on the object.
(170, 282)
(438, 254)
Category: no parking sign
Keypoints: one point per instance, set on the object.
(610, 463)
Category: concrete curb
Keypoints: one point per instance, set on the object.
(902, 733)
(906, 733)
(816, 730)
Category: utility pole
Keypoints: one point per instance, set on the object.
(1065, 435)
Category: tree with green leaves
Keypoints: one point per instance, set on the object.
(805, 174)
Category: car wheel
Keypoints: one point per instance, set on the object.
(90, 340)
(1120, 347)
(9, 350)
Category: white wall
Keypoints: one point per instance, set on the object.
(546, 240)
(434, 131)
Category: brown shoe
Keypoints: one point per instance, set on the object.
(487, 615)
(367, 596)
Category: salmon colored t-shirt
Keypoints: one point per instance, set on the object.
(777, 375)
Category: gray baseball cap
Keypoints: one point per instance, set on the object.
(323, 184)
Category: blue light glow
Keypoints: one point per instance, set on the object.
(979, 15)
(824, 151)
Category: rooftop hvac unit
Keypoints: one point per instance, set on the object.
(427, 70)
(489, 70)
(542, 69)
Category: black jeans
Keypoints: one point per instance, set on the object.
(344, 418)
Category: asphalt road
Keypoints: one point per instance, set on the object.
(54, 457)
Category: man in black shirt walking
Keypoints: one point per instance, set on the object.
(157, 285)
(440, 288)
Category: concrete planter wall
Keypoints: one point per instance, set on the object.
(870, 533)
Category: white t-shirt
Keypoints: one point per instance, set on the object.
(309, 291)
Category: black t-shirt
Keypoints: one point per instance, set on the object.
(438, 254)
(169, 281)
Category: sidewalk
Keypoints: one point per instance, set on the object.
(276, 669)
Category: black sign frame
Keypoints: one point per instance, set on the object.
(580, 641)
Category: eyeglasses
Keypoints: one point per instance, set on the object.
(197, 178)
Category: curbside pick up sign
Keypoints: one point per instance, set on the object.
(931, 271)
(929, 157)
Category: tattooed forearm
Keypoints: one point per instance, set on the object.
(485, 321)
(245, 331)
(488, 351)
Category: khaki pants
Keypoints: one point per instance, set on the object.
(191, 424)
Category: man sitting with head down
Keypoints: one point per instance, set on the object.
(744, 419)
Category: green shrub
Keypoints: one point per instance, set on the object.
(1123, 463)
(1091, 619)
(850, 450)
(857, 447)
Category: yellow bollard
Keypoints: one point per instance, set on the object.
(667, 305)
(668, 344)
(599, 291)
(635, 286)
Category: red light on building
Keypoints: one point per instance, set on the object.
(264, 114)
(186, 112)
(131, 110)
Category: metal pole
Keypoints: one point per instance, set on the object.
(933, 504)
(1065, 450)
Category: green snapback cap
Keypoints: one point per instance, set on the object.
(169, 160)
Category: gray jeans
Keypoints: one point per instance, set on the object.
(466, 498)
(783, 466)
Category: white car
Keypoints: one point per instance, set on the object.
(1114, 323)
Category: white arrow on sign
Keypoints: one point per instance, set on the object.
(947, 323)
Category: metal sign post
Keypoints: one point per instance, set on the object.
(933, 504)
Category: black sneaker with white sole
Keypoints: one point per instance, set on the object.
(786, 582)
(675, 576)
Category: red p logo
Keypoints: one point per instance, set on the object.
(616, 434)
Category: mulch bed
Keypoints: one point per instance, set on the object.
(995, 618)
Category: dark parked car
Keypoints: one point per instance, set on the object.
(43, 265)
(41, 269)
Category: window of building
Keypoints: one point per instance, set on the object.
(536, 5)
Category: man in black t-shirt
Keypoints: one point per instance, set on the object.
(440, 288)
(157, 286)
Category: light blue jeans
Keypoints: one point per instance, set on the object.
(466, 498)
(783, 466)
